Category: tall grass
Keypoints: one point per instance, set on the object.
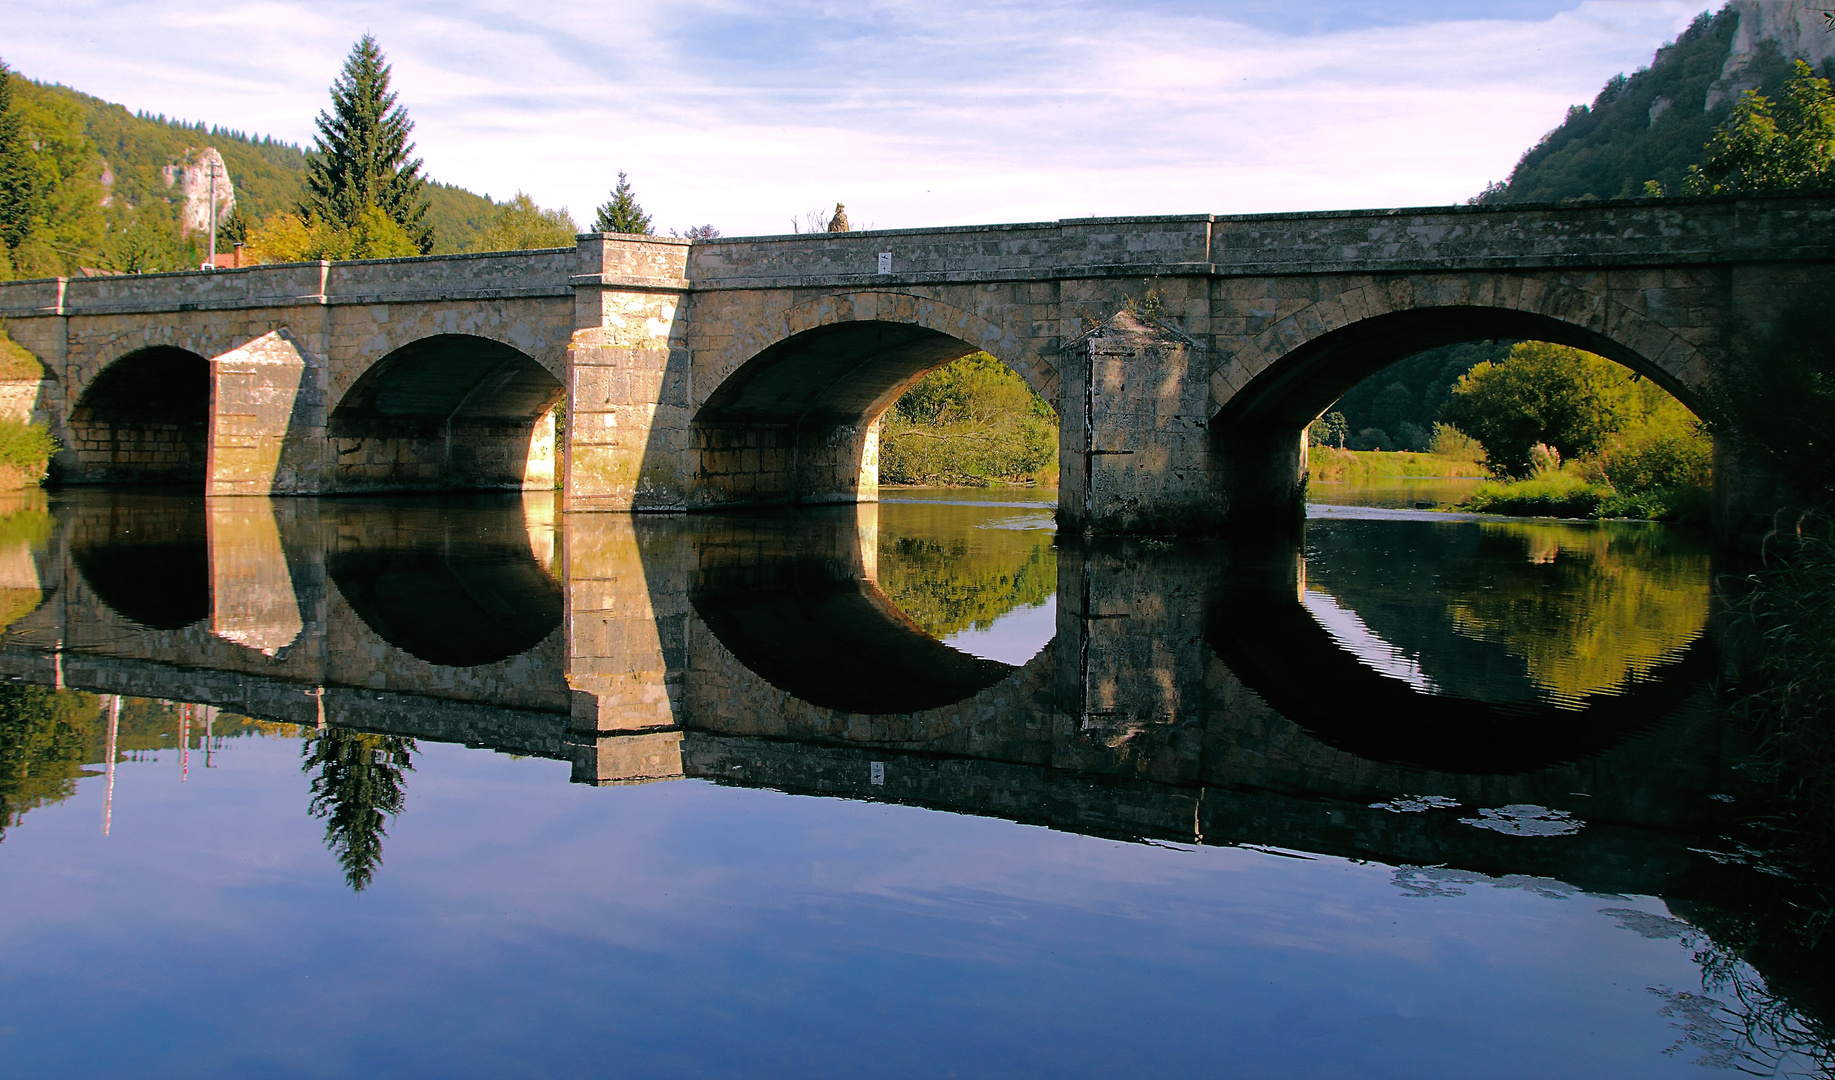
(1330, 465)
(1783, 620)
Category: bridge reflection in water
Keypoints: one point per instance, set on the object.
(1191, 693)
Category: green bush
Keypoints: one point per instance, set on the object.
(1654, 458)
(1552, 493)
(972, 422)
(1682, 504)
(25, 449)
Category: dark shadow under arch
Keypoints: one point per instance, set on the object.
(451, 411)
(791, 425)
(452, 582)
(799, 616)
(147, 558)
(144, 419)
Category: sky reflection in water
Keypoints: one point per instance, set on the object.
(522, 924)
(519, 924)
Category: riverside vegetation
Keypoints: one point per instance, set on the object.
(972, 422)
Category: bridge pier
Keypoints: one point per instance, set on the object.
(1134, 432)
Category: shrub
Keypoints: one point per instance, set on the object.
(1453, 444)
(1682, 504)
(1553, 493)
(1653, 458)
(971, 422)
(25, 451)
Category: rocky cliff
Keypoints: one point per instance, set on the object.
(191, 179)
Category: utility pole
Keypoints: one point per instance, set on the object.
(211, 164)
(114, 728)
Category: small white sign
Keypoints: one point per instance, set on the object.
(879, 767)
(885, 262)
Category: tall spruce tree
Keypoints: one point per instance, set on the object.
(19, 188)
(357, 785)
(620, 213)
(360, 156)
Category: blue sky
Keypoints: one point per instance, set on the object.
(914, 113)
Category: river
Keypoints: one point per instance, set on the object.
(466, 787)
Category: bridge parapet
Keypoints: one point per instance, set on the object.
(1623, 233)
(1034, 251)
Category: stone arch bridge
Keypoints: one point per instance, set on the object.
(1185, 355)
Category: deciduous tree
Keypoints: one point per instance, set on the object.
(521, 225)
(1773, 147)
(19, 191)
(1541, 394)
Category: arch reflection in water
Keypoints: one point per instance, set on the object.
(856, 608)
(1471, 647)
(453, 580)
(145, 555)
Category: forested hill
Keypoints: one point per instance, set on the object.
(108, 169)
(1650, 125)
(1654, 123)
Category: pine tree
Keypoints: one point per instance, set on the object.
(360, 156)
(357, 786)
(621, 214)
(19, 193)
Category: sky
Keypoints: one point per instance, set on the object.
(915, 114)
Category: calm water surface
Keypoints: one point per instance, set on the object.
(462, 788)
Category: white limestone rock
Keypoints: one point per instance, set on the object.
(190, 177)
(1797, 28)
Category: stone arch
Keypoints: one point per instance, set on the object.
(910, 309)
(797, 420)
(1265, 394)
(142, 418)
(446, 412)
(545, 351)
(1315, 354)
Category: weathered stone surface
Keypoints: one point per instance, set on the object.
(752, 371)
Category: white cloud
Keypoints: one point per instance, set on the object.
(914, 114)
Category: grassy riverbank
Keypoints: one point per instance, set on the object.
(1331, 465)
(1564, 494)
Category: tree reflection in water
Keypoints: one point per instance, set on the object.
(1586, 608)
(357, 787)
(953, 568)
(1521, 611)
(45, 739)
